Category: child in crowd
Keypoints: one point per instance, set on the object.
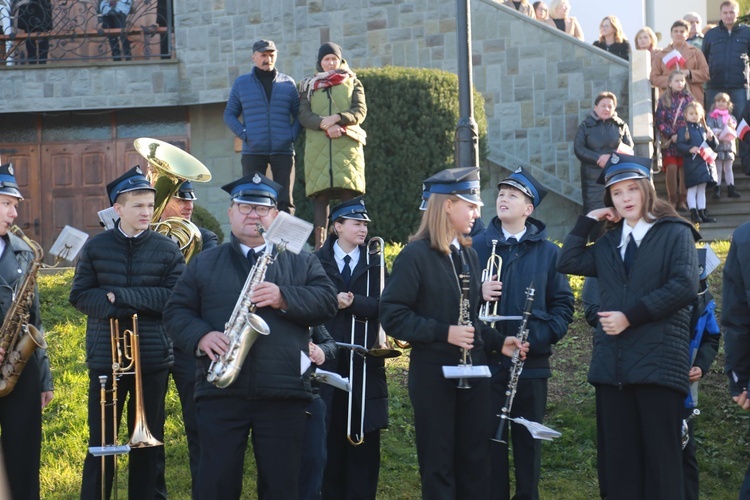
(721, 119)
(669, 118)
(527, 255)
(691, 141)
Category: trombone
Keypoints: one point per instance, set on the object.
(380, 349)
(488, 311)
(126, 360)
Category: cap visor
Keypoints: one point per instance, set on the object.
(471, 198)
(517, 185)
(255, 200)
(625, 176)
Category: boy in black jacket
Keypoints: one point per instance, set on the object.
(121, 272)
(521, 242)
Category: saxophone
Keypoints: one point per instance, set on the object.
(18, 338)
(244, 326)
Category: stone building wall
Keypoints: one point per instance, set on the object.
(538, 83)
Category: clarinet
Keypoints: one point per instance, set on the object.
(464, 319)
(501, 435)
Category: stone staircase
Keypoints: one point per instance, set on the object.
(729, 212)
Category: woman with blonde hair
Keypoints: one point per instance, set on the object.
(559, 18)
(612, 39)
(431, 301)
(523, 7)
(646, 39)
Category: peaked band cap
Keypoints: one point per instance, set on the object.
(527, 184)
(462, 182)
(186, 191)
(8, 184)
(264, 46)
(621, 167)
(132, 180)
(352, 209)
(255, 188)
(425, 196)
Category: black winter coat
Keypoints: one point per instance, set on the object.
(619, 49)
(422, 300)
(205, 297)
(594, 138)
(533, 259)
(735, 312)
(695, 167)
(141, 273)
(723, 51)
(365, 309)
(654, 297)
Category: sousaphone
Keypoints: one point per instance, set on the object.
(169, 167)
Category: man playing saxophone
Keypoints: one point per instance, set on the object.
(124, 271)
(269, 394)
(20, 410)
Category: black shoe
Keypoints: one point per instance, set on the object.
(732, 192)
(695, 217)
(717, 193)
(704, 217)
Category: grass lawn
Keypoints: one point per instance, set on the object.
(568, 463)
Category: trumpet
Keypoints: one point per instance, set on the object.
(380, 349)
(685, 430)
(488, 311)
(126, 360)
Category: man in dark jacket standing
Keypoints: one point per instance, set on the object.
(527, 256)
(727, 48)
(735, 318)
(268, 102)
(270, 393)
(121, 272)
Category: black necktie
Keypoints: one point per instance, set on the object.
(346, 273)
(456, 258)
(630, 254)
(251, 257)
(511, 241)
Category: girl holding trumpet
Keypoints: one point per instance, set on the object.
(422, 304)
(521, 242)
(354, 267)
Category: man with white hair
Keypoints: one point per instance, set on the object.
(695, 37)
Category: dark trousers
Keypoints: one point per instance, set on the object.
(278, 429)
(37, 50)
(453, 431)
(642, 445)
(314, 452)
(352, 471)
(690, 462)
(144, 463)
(116, 20)
(21, 424)
(282, 170)
(529, 402)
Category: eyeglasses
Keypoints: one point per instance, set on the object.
(247, 209)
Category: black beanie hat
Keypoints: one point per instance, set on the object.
(329, 48)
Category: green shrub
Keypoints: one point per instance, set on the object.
(203, 218)
(411, 121)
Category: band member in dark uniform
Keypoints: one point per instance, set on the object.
(352, 471)
(422, 304)
(123, 271)
(183, 371)
(21, 409)
(270, 394)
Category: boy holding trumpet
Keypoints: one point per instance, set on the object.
(521, 242)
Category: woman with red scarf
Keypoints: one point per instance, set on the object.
(332, 107)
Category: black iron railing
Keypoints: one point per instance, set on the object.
(41, 31)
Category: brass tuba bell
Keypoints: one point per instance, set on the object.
(169, 167)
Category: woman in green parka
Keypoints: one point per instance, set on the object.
(332, 107)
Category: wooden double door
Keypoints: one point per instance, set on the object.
(65, 184)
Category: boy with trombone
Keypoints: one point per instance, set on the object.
(356, 268)
(517, 252)
(121, 272)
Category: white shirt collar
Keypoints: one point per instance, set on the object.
(246, 248)
(127, 235)
(639, 232)
(517, 236)
(339, 254)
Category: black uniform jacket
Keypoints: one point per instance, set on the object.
(206, 295)
(210, 240)
(141, 273)
(422, 300)
(532, 260)
(13, 266)
(735, 313)
(364, 310)
(655, 298)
